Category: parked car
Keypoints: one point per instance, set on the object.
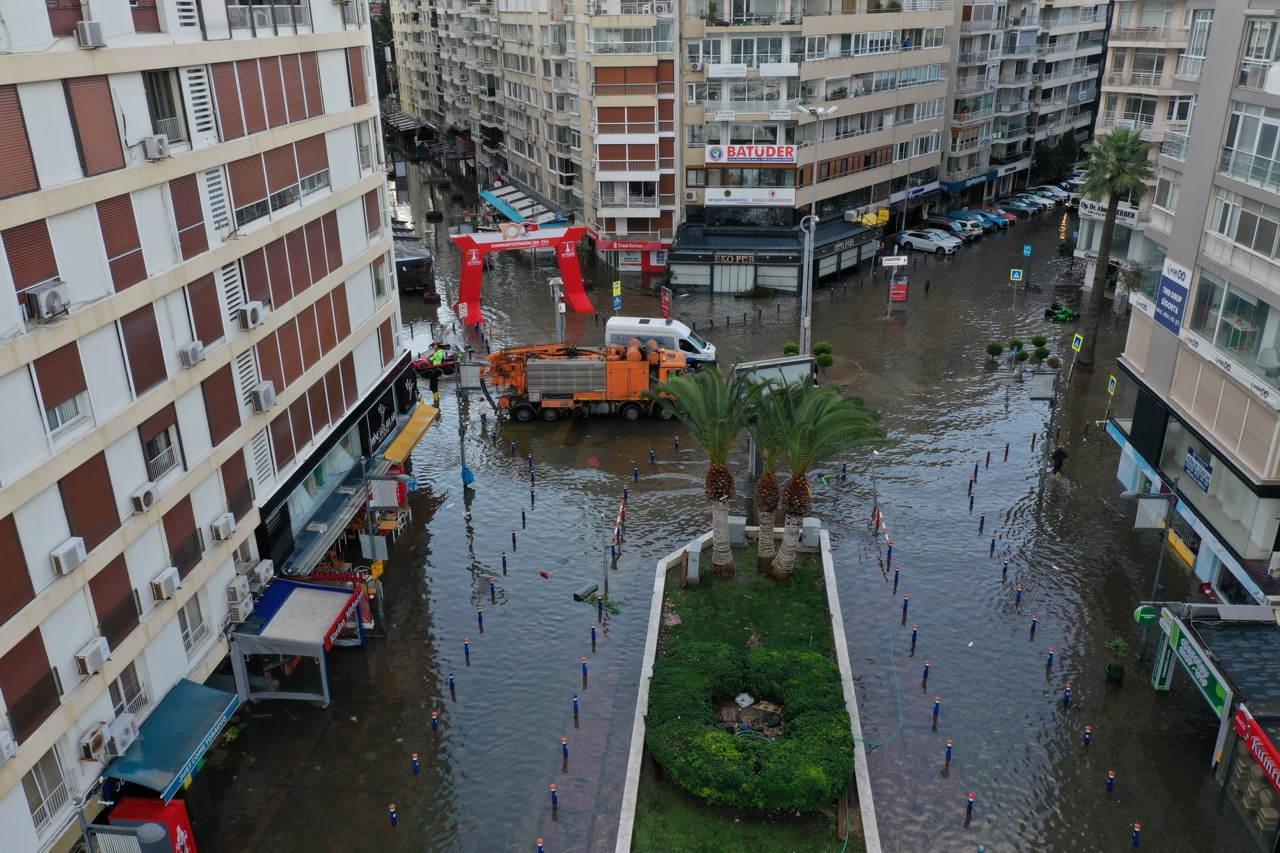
(1009, 216)
(949, 226)
(1043, 195)
(1073, 200)
(1057, 192)
(971, 226)
(969, 216)
(1036, 201)
(929, 241)
(998, 220)
(1018, 206)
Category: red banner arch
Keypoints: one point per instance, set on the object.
(514, 236)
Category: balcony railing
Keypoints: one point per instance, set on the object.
(1174, 145)
(1189, 67)
(636, 47)
(972, 116)
(54, 802)
(1015, 79)
(139, 701)
(635, 127)
(608, 89)
(268, 17)
(1250, 168)
(1163, 35)
(981, 26)
(1136, 78)
(171, 128)
(1008, 134)
(1055, 47)
(970, 85)
(1018, 50)
(632, 202)
(751, 106)
(1116, 118)
(651, 164)
(638, 236)
(1253, 73)
(960, 146)
(977, 57)
(1013, 106)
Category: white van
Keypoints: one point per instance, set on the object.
(670, 334)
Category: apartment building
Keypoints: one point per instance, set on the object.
(1026, 76)
(204, 334)
(1199, 400)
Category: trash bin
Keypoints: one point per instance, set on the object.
(809, 533)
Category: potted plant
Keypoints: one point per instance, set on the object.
(839, 94)
(1119, 648)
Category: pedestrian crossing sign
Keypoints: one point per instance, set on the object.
(1077, 342)
(1111, 385)
(1015, 275)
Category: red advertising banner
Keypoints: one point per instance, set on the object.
(1263, 750)
(666, 303)
(474, 246)
(898, 291)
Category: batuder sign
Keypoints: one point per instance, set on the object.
(751, 153)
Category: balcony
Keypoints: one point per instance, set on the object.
(972, 85)
(1253, 73)
(651, 164)
(1012, 50)
(960, 146)
(978, 57)
(1015, 79)
(1174, 146)
(628, 89)
(1008, 134)
(1259, 171)
(163, 462)
(964, 118)
(649, 127)
(57, 799)
(1137, 79)
(1165, 36)
(1061, 46)
(1189, 67)
(645, 48)
(971, 172)
(633, 203)
(1011, 107)
(268, 17)
(981, 26)
(751, 106)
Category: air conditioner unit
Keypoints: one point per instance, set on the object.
(48, 300)
(122, 732)
(265, 571)
(263, 395)
(238, 590)
(68, 555)
(251, 315)
(93, 744)
(89, 34)
(695, 66)
(144, 498)
(646, 9)
(852, 216)
(93, 656)
(191, 354)
(662, 8)
(223, 526)
(1036, 78)
(165, 584)
(690, 195)
(8, 747)
(240, 611)
(155, 147)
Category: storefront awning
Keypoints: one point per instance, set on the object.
(404, 443)
(175, 737)
(296, 618)
(502, 207)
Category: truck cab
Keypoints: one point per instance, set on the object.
(669, 334)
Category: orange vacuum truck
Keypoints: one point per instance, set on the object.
(551, 381)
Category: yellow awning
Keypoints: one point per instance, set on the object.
(412, 433)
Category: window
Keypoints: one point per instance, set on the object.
(695, 178)
(46, 788)
(66, 413)
(364, 145)
(1246, 222)
(162, 453)
(164, 104)
(194, 629)
(128, 696)
(1180, 109)
(1166, 194)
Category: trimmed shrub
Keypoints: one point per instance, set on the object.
(824, 360)
(791, 349)
(1042, 353)
(1016, 343)
(822, 348)
(1022, 355)
(994, 349)
(1039, 341)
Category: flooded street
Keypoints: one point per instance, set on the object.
(304, 778)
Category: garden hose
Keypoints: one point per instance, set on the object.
(897, 693)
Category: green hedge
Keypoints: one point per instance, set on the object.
(804, 769)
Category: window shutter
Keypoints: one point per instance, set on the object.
(269, 361)
(157, 423)
(17, 166)
(325, 324)
(146, 19)
(311, 84)
(372, 211)
(332, 243)
(282, 440)
(295, 98)
(248, 181)
(112, 593)
(142, 348)
(60, 375)
(319, 406)
(64, 15)
(180, 533)
(315, 250)
(300, 420)
(385, 342)
(299, 269)
(255, 115)
(206, 311)
(350, 390)
(30, 254)
(235, 485)
(94, 116)
(124, 247)
(341, 315)
(26, 680)
(221, 407)
(290, 352)
(226, 92)
(333, 392)
(282, 168)
(355, 71)
(278, 267)
(313, 155)
(273, 90)
(188, 215)
(309, 336)
(257, 282)
(90, 502)
(15, 579)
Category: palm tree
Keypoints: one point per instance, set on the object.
(769, 432)
(824, 425)
(1118, 168)
(715, 408)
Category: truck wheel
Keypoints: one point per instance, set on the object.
(629, 412)
(550, 415)
(662, 413)
(522, 413)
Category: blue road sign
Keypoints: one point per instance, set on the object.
(1015, 275)
(1026, 250)
(617, 303)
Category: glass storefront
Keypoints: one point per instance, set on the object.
(323, 479)
(1253, 797)
(1238, 324)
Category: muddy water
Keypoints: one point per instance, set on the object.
(323, 778)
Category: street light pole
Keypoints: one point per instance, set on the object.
(1164, 543)
(811, 231)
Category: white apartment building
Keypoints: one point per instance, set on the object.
(204, 323)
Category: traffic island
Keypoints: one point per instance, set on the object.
(746, 734)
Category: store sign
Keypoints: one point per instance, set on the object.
(751, 197)
(734, 259)
(1260, 746)
(379, 422)
(727, 69)
(780, 115)
(751, 154)
(1198, 468)
(1171, 300)
(665, 302)
(726, 115)
(1207, 679)
(1126, 215)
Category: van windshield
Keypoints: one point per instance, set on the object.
(701, 344)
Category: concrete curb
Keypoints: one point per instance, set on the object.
(870, 829)
(631, 788)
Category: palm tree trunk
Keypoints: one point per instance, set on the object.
(785, 562)
(765, 550)
(1093, 313)
(721, 554)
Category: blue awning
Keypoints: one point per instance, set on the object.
(175, 737)
(503, 208)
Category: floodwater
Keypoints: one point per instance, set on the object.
(299, 777)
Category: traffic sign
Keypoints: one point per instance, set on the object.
(617, 288)
(1145, 615)
(1015, 275)
(894, 261)
(1077, 342)
(1111, 385)
(1026, 250)
(617, 303)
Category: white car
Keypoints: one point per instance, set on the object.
(929, 240)
(1057, 192)
(1037, 201)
